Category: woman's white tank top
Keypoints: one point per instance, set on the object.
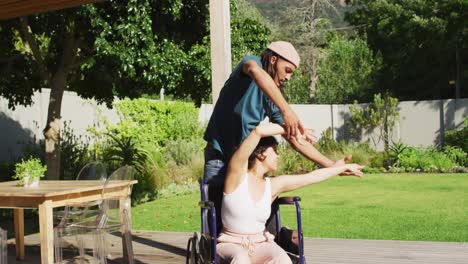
(240, 214)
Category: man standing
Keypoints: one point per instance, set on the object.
(252, 93)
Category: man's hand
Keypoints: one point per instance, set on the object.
(292, 124)
(308, 136)
(342, 162)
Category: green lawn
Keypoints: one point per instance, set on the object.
(420, 207)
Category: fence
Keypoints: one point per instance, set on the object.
(420, 123)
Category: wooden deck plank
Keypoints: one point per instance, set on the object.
(154, 247)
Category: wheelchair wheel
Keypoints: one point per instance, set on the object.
(192, 250)
(205, 247)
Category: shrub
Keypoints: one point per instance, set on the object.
(291, 162)
(426, 159)
(380, 114)
(122, 150)
(378, 161)
(161, 139)
(181, 151)
(458, 138)
(151, 176)
(75, 152)
(327, 143)
(155, 123)
(361, 153)
(456, 155)
(394, 153)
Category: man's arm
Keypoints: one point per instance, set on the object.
(264, 81)
(310, 152)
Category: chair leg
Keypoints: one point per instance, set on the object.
(3, 246)
(128, 252)
(58, 246)
(100, 247)
(81, 248)
(127, 238)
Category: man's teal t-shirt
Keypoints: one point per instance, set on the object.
(241, 106)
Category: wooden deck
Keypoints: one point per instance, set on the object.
(169, 247)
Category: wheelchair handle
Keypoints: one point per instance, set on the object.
(289, 199)
(206, 204)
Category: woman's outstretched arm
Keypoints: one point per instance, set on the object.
(288, 183)
(239, 161)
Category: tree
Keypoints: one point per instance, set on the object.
(306, 25)
(423, 43)
(380, 114)
(249, 36)
(348, 71)
(114, 48)
(99, 51)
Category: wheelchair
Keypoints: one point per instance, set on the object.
(201, 247)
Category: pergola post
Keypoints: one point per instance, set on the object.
(220, 38)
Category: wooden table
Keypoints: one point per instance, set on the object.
(49, 195)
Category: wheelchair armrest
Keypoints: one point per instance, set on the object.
(288, 199)
(206, 204)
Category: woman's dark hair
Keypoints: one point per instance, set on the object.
(263, 145)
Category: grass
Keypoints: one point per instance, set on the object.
(418, 207)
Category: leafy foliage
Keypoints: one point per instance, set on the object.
(249, 36)
(154, 123)
(297, 89)
(161, 139)
(395, 152)
(291, 162)
(419, 42)
(122, 150)
(31, 168)
(76, 152)
(347, 73)
(327, 143)
(426, 159)
(456, 155)
(380, 114)
(458, 138)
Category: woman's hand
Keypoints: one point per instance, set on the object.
(353, 170)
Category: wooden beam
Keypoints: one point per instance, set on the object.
(17, 8)
(220, 37)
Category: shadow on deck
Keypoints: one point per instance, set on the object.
(152, 247)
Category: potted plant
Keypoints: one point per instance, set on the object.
(29, 172)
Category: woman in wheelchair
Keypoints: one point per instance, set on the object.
(248, 195)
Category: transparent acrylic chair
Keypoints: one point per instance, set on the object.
(91, 171)
(113, 216)
(3, 247)
(72, 213)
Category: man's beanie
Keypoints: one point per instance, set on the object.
(285, 50)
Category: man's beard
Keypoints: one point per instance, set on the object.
(281, 86)
(274, 74)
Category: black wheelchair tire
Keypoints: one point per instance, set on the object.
(192, 250)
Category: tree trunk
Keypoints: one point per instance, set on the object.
(57, 83)
(52, 129)
(459, 72)
(312, 83)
